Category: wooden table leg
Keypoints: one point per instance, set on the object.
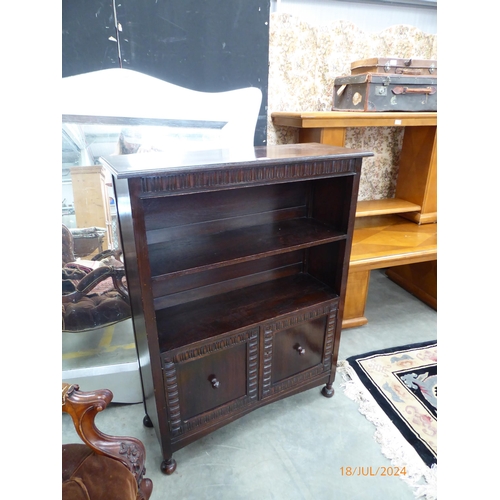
(355, 299)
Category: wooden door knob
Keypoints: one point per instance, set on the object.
(300, 350)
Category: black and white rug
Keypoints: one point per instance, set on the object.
(396, 389)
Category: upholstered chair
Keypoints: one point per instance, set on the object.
(104, 467)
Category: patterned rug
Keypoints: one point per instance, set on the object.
(397, 390)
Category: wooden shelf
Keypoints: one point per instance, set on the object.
(369, 208)
(416, 184)
(215, 315)
(320, 119)
(189, 255)
(383, 241)
(389, 240)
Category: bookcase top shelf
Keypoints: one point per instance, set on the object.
(189, 255)
(180, 161)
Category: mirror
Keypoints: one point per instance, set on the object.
(140, 114)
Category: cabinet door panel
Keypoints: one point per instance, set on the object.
(298, 348)
(211, 381)
(207, 381)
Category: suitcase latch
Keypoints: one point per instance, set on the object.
(380, 90)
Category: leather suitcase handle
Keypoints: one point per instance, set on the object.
(406, 90)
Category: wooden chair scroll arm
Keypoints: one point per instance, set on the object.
(94, 278)
(108, 253)
(83, 408)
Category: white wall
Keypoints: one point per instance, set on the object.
(370, 16)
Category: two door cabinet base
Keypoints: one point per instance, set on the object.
(236, 266)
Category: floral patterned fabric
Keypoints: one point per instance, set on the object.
(305, 59)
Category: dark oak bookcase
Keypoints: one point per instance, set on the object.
(236, 266)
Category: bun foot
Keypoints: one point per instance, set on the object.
(168, 466)
(327, 391)
(147, 421)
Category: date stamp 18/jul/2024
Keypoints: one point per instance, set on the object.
(371, 471)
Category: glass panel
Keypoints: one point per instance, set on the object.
(117, 112)
(98, 341)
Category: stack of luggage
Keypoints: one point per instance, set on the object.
(387, 84)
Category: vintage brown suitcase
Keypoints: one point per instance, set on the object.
(415, 67)
(375, 92)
